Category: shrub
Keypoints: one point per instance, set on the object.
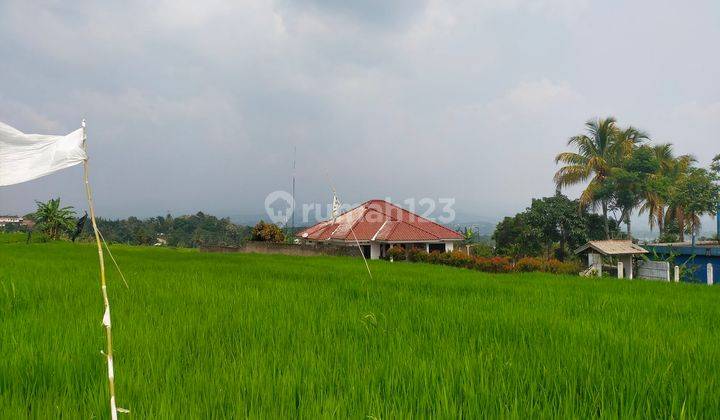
(570, 267)
(528, 264)
(493, 265)
(396, 253)
(550, 266)
(267, 232)
(460, 259)
(417, 255)
(487, 264)
(501, 265)
(554, 266)
(481, 250)
(434, 257)
(443, 258)
(482, 264)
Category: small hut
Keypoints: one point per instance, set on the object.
(625, 251)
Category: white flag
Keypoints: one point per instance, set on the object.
(24, 157)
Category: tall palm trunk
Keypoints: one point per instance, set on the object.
(627, 223)
(681, 224)
(605, 219)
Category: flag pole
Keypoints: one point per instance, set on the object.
(106, 302)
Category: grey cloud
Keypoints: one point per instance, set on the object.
(375, 13)
(199, 106)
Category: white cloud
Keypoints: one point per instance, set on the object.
(528, 100)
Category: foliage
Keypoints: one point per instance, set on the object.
(190, 231)
(267, 232)
(599, 150)
(397, 253)
(629, 183)
(481, 250)
(492, 264)
(697, 194)
(715, 165)
(529, 264)
(415, 254)
(53, 220)
(507, 237)
(547, 221)
(624, 174)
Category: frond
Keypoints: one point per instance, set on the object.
(599, 165)
(571, 175)
(664, 155)
(571, 158)
(587, 197)
(586, 145)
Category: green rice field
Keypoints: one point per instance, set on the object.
(234, 336)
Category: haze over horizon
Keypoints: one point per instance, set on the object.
(195, 107)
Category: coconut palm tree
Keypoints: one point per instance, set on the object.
(52, 219)
(656, 198)
(598, 152)
(677, 170)
(627, 140)
(629, 186)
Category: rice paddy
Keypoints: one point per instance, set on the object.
(229, 335)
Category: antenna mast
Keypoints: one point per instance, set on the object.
(292, 210)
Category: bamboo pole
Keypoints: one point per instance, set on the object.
(103, 285)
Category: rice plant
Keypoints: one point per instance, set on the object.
(230, 335)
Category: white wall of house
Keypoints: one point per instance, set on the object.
(374, 251)
(449, 246)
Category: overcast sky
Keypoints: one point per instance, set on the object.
(198, 105)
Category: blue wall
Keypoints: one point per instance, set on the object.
(703, 255)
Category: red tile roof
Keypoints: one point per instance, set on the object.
(381, 221)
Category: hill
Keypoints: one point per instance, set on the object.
(228, 335)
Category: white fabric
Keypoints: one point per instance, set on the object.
(24, 157)
(106, 317)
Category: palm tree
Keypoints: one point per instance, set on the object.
(677, 170)
(627, 140)
(597, 153)
(52, 219)
(630, 195)
(656, 198)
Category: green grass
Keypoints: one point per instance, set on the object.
(228, 335)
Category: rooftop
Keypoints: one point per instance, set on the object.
(379, 220)
(612, 247)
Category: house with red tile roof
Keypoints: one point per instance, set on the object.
(378, 225)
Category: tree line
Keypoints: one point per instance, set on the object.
(53, 221)
(190, 231)
(552, 227)
(623, 174)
